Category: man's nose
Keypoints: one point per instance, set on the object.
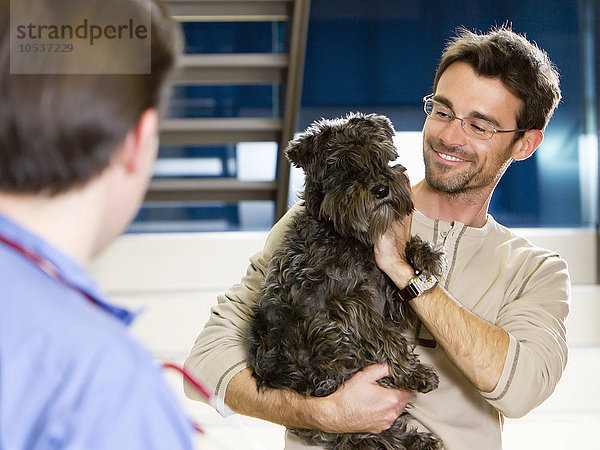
(453, 134)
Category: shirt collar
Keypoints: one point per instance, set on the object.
(70, 270)
(470, 231)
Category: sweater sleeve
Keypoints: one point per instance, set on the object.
(218, 353)
(537, 356)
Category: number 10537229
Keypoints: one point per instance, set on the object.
(45, 48)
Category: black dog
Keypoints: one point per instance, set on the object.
(326, 310)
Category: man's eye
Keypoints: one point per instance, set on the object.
(478, 127)
(441, 114)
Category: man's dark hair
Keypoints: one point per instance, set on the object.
(522, 66)
(58, 131)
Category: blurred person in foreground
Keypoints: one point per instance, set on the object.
(76, 155)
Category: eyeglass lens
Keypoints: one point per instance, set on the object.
(471, 125)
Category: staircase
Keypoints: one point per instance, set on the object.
(237, 69)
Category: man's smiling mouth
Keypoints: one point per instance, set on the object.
(450, 158)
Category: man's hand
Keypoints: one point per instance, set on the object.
(362, 405)
(389, 252)
(359, 405)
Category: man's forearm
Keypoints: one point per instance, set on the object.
(283, 407)
(477, 347)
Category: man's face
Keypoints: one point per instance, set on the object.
(455, 162)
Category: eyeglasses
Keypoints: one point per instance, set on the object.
(473, 126)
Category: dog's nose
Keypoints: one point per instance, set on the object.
(380, 190)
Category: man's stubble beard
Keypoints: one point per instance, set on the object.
(465, 181)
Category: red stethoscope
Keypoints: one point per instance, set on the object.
(53, 272)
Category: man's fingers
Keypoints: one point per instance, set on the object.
(402, 228)
(377, 371)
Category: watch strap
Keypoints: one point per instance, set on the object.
(409, 292)
(419, 284)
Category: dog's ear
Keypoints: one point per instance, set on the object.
(380, 124)
(299, 150)
(304, 150)
(384, 123)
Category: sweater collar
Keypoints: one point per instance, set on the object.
(482, 232)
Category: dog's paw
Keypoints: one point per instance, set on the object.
(424, 257)
(423, 379)
(427, 441)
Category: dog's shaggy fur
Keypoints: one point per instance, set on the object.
(326, 310)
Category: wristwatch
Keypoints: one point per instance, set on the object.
(418, 285)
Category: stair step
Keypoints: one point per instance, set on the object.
(241, 68)
(230, 10)
(219, 131)
(209, 189)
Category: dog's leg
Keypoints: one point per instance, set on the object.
(407, 372)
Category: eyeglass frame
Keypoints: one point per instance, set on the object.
(493, 131)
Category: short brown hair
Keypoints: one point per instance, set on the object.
(521, 65)
(59, 131)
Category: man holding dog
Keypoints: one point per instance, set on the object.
(76, 153)
(493, 324)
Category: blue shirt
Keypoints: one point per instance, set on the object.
(70, 375)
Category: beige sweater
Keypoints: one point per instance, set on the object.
(499, 276)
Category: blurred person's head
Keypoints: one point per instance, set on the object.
(58, 131)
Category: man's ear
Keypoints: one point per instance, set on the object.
(141, 140)
(525, 146)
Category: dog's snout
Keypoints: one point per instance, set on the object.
(380, 190)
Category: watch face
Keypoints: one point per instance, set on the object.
(425, 283)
